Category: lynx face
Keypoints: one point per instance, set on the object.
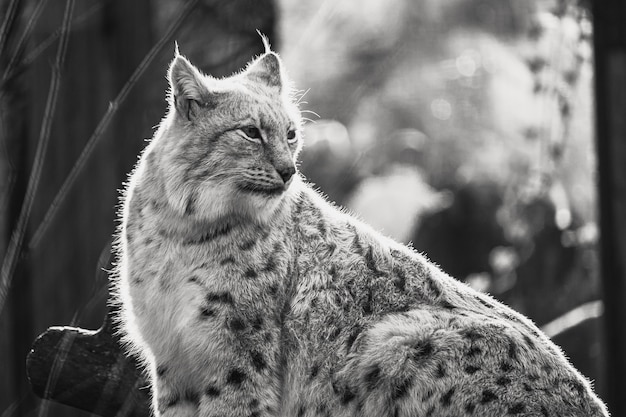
(229, 145)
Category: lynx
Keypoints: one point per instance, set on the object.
(247, 294)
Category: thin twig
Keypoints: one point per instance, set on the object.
(104, 122)
(78, 22)
(7, 24)
(25, 35)
(17, 237)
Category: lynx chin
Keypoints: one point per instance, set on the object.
(247, 294)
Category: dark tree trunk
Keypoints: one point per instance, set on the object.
(610, 69)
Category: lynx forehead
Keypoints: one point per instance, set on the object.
(247, 294)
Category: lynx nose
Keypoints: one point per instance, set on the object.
(286, 172)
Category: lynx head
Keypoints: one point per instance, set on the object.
(227, 147)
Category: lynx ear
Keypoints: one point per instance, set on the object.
(266, 69)
(188, 91)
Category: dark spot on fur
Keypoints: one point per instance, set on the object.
(222, 230)
(446, 399)
(268, 337)
(247, 244)
(484, 302)
(441, 370)
(356, 241)
(212, 391)
(506, 367)
(219, 297)
(472, 369)
(337, 299)
(321, 227)
(544, 411)
(371, 262)
(301, 410)
(470, 407)
(422, 350)
(332, 271)
(258, 361)
(334, 333)
(576, 386)
(273, 289)
(471, 334)
(372, 377)
(191, 396)
(161, 370)
(254, 403)
(352, 337)
(428, 394)
(430, 412)
(167, 403)
(527, 387)
(236, 324)
(228, 260)
(250, 273)
(447, 305)
(529, 342)
(322, 410)
(235, 377)
(401, 389)
(347, 396)
(314, 370)
(474, 351)
(148, 241)
(254, 413)
(488, 396)
(399, 279)
(434, 288)
(332, 247)
(193, 279)
(206, 312)
(257, 322)
(190, 205)
(367, 304)
(503, 380)
(270, 265)
(345, 393)
(533, 377)
(517, 408)
(512, 351)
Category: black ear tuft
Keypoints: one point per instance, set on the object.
(267, 69)
(188, 90)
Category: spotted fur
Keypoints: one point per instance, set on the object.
(248, 294)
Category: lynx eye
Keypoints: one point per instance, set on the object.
(252, 132)
(291, 136)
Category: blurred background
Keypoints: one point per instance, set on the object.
(464, 128)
